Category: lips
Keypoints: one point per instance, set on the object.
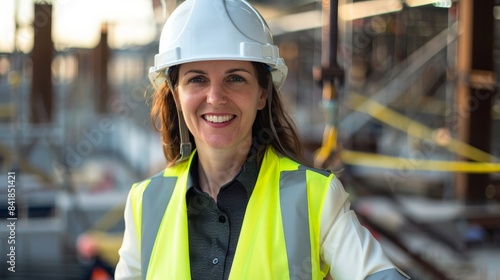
(218, 119)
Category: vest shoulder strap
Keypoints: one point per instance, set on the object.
(157, 195)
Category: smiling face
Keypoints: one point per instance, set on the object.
(219, 101)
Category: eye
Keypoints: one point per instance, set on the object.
(236, 78)
(196, 79)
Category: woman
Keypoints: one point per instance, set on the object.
(236, 200)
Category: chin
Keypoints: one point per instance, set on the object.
(219, 142)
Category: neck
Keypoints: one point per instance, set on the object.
(218, 167)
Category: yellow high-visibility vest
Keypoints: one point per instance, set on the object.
(280, 234)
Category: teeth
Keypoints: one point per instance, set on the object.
(218, 119)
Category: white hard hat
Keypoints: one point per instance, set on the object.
(200, 30)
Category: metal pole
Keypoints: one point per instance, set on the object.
(475, 90)
(330, 76)
(41, 89)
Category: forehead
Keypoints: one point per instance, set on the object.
(217, 65)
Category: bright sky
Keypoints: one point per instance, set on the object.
(77, 23)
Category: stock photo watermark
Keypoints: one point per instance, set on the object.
(11, 221)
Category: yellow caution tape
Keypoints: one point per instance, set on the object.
(413, 128)
(389, 162)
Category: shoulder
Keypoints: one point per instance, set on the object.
(166, 174)
(155, 176)
(307, 169)
(289, 164)
(318, 171)
(154, 185)
(145, 182)
(314, 179)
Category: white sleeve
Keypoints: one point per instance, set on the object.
(346, 246)
(129, 265)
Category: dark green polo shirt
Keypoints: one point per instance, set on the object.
(213, 227)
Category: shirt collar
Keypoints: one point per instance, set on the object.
(247, 175)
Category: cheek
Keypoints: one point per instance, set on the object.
(185, 103)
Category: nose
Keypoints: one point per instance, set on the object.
(216, 94)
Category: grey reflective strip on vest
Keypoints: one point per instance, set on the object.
(294, 212)
(388, 274)
(154, 203)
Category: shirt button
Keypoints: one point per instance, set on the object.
(222, 219)
(215, 261)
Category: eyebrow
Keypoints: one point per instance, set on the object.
(197, 71)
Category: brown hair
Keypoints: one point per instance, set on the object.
(165, 120)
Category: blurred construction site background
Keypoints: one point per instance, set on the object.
(399, 97)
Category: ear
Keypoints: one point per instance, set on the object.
(262, 99)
